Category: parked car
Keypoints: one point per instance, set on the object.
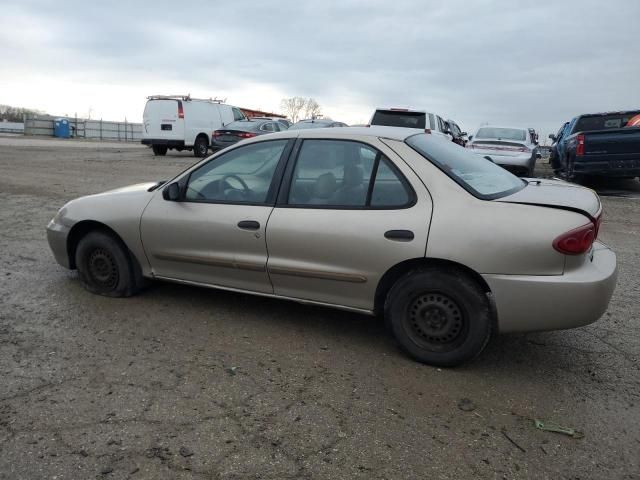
(448, 247)
(242, 129)
(316, 123)
(556, 147)
(456, 132)
(510, 147)
(409, 118)
(282, 121)
(184, 123)
(599, 144)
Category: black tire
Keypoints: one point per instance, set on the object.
(439, 317)
(201, 146)
(159, 150)
(104, 265)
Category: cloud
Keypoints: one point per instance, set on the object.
(507, 62)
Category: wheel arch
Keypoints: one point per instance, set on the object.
(82, 228)
(206, 137)
(393, 274)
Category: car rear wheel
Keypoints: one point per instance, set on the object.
(439, 317)
(201, 146)
(104, 266)
(159, 150)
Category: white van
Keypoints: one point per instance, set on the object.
(409, 118)
(184, 123)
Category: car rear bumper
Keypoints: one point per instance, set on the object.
(221, 144)
(162, 141)
(608, 168)
(57, 238)
(580, 296)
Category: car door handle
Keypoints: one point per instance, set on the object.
(249, 225)
(400, 235)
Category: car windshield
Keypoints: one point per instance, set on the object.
(502, 133)
(392, 118)
(479, 176)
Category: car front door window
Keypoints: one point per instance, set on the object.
(243, 175)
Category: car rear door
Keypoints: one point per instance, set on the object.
(163, 119)
(347, 212)
(215, 233)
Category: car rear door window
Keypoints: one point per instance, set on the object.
(342, 174)
(389, 189)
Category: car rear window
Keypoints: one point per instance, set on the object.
(243, 125)
(393, 118)
(604, 122)
(306, 125)
(502, 133)
(479, 176)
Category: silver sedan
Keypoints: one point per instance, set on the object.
(448, 246)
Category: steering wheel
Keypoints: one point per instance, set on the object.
(240, 180)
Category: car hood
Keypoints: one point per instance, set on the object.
(131, 189)
(557, 194)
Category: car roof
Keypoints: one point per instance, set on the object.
(403, 109)
(504, 126)
(393, 133)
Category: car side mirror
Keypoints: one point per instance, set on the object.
(538, 156)
(552, 137)
(171, 192)
(470, 137)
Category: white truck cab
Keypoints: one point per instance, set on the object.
(411, 118)
(184, 123)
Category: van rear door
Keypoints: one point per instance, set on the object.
(163, 120)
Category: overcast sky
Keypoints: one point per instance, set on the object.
(528, 63)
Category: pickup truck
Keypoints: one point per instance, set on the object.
(598, 144)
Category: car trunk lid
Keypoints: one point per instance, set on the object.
(497, 147)
(557, 194)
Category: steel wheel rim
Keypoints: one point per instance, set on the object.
(102, 268)
(435, 321)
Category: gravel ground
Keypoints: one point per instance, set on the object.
(181, 382)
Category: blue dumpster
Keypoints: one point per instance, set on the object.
(61, 128)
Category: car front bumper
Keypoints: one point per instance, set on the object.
(580, 296)
(57, 234)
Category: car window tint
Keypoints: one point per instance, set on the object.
(268, 127)
(332, 173)
(397, 118)
(388, 189)
(479, 176)
(242, 175)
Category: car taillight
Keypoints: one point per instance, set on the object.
(580, 145)
(217, 134)
(598, 222)
(576, 241)
(246, 135)
(180, 109)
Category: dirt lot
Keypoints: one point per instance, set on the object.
(181, 382)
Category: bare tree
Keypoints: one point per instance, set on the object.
(298, 108)
(312, 108)
(293, 107)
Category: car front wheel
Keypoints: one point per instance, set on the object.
(104, 267)
(439, 316)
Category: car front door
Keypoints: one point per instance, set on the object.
(346, 214)
(215, 233)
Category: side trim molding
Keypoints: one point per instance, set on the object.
(213, 261)
(323, 275)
